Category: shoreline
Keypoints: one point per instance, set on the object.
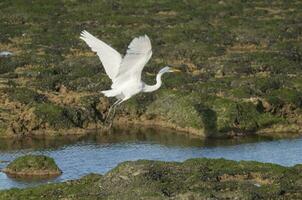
(36, 174)
(276, 131)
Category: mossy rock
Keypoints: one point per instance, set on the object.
(237, 116)
(33, 166)
(60, 117)
(79, 74)
(288, 96)
(177, 107)
(193, 179)
(212, 116)
(25, 95)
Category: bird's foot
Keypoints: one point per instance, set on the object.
(109, 121)
(110, 117)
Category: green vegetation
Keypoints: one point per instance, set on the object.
(177, 107)
(192, 179)
(53, 114)
(32, 165)
(242, 116)
(62, 117)
(241, 63)
(25, 95)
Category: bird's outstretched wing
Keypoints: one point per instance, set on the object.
(110, 58)
(138, 54)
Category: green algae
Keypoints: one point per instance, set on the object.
(230, 52)
(54, 115)
(32, 165)
(288, 96)
(242, 116)
(176, 107)
(61, 117)
(25, 95)
(195, 179)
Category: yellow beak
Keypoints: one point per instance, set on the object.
(175, 70)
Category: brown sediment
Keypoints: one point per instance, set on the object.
(54, 133)
(253, 177)
(282, 131)
(123, 121)
(34, 173)
(290, 130)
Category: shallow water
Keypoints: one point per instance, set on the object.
(78, 156)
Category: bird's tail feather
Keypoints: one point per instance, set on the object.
(110, 93)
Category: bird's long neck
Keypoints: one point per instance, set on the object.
(151, 88)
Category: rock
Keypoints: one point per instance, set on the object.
(192, 179)
(32, 166)
(266, 105)
(26, 122)
(61, 89)
(220, 73)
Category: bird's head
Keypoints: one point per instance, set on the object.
(169, 69)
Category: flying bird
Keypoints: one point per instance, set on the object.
(125, 72)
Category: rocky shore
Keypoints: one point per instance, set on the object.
(192, 179)
(241, 64)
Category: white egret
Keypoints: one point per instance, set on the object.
(125, 72)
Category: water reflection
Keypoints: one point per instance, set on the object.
(161, 136)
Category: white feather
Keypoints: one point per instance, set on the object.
(110, 58)
(138, 54)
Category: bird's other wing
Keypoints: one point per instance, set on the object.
(138, 54)
(110, 58)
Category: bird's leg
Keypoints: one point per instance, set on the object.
(112, 118)
(116, 104)
(111, 109)
(109, 112)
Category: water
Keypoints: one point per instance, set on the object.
(79, 156)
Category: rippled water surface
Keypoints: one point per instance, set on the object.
(78, 156)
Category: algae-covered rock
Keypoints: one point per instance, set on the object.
(176, 107)
(26, 122)
(32, 166)
(61, 117)
(207, 115)
(192, 179)
(238, 116)
(230, 52)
